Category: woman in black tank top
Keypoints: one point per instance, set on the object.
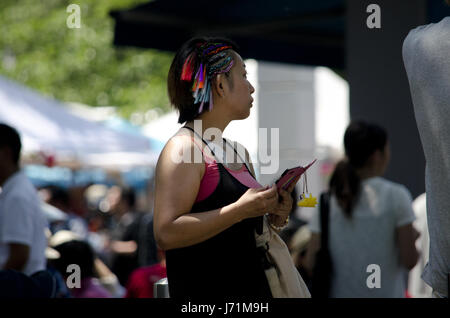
(210, 244)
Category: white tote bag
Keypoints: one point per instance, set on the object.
(284, 279)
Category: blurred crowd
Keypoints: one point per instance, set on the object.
(94, 241)
(112, 241)
(97, 241)
(101, 230)
(113, 237)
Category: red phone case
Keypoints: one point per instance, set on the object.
(289, 175)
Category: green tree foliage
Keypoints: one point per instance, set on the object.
(80, 65)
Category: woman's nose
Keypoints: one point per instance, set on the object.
(252, 89)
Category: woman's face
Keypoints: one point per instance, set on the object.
(238, 96)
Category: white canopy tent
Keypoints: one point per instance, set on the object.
(162, 128)
(45, 125)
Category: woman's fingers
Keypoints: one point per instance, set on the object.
(284, 193)
(283, 208)
(292, 185)
(269, 199)
(270, 192)
(286, 198)
(261, 189)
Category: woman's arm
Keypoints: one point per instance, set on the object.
(406, 238)
(177, 185)
(18, 256)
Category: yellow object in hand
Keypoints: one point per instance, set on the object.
(310, 202)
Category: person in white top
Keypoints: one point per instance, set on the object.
(22, 222)
(370, 221)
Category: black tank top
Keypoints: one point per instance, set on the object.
(228, 264)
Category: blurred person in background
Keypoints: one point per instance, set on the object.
(96, 280)
(97, 219)
(140, 284)
(61, 290)
(132, 243)
(22, 221)
(122, 252)
(81, 254)
(59, 198)
(370, 220)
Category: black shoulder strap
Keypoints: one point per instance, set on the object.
(226, 141)
(259, 226)
(259, 221)
(324, 218)
(201, 139)
(243, 161)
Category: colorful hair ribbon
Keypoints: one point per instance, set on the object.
(188, 68)
(212, 61)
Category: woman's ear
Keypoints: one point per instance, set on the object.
(218, 84)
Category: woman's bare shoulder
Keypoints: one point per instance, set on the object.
(180, 152)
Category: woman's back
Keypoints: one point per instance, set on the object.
(368, 237)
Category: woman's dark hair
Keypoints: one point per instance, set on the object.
(180, 92)
(361, 140)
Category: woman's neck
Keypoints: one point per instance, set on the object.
(206, 122)
(367, 172)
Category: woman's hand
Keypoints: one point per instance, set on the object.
(257, 201)
(284, 207)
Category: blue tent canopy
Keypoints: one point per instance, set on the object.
(42, 176)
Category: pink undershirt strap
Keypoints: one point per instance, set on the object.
(211, 177)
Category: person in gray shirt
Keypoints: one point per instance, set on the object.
(426, 56)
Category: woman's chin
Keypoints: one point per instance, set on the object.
(245, 115)
(242, 114)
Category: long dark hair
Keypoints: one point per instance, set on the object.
(361, 140)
